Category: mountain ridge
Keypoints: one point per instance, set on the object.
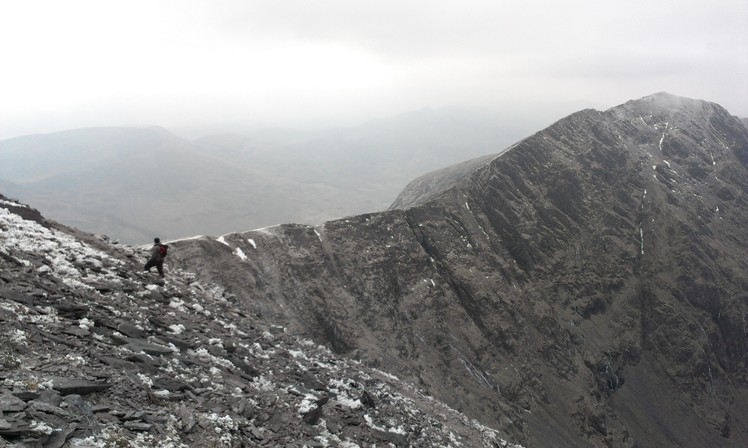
(536, 292)
(95, 353)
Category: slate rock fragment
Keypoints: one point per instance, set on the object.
(11, 403)
(67, 386)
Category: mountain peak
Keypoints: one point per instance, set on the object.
(664, 102)
(652, 118)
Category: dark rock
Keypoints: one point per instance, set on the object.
(59, 340)
(100, 408)
(332, 425)
(138, 426)
(36, 407)
(104, 287)
(133, 416)
(311, 382)
(390, 437)
(145, 359)
(76, 331)
(13, 429)
(187, 418)
(170, 385)
(16, 296)
(50, 397)
(278, 420)
(82, 409)
(131, 330)
(68, 386)
(11, 403)
(139, 345)
(70, 310)
(244, 366)
(58, 438)
(367, 400)
(179, 342)
(10, 258)
(322, 401)
(313, 416)
(26, 395)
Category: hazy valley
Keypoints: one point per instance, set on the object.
(133, 184)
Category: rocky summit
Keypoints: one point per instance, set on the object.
(586, 287)
(95, 353)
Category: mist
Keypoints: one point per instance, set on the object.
(201, 68)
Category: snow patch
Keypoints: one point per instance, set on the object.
(663, 135)
(86, 323)
(176, 329)
(240, 253)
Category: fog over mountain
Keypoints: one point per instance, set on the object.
(134, 183)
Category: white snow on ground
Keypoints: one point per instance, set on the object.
(663, 135)
(196, 237)
(86, 323)
(177, 328)
(641, 236)
(65, 256)
(240, 253)
(14, 204)
(252, 242)
(222, 240)
(68, 258)
(267, 230)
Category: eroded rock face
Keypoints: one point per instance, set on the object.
(95, 353)
(585, 287)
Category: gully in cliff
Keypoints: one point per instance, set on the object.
(158, 253)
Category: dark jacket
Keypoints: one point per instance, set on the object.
(156, 253)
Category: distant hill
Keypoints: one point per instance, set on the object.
(135, 183)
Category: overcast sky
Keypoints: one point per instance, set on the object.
(73, 63)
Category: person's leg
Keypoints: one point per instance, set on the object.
(149, 265)
(160, 267)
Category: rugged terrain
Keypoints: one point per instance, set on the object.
(585, 287)
(96, 354)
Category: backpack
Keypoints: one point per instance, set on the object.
(162, 250)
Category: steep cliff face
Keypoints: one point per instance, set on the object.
(585, 287)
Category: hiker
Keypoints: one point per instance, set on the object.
(158, 252)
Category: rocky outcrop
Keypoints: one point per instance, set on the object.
(95, 353)
(585, 287)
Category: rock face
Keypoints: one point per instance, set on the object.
(586, 287)
(94, 353)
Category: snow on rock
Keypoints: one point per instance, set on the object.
(240, 253)
(147, 364)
